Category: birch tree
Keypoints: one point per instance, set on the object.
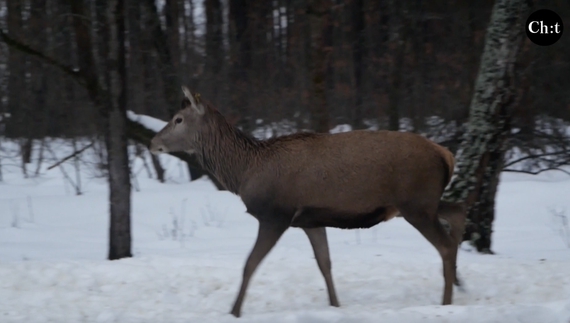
(481, 153)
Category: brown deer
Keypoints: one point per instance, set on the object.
(311, 181)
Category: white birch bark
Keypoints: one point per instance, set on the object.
(480, 154)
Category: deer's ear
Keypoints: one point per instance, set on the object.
(194, 99)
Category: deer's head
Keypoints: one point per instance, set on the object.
(179, 134)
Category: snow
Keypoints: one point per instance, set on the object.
(341, 128)
(190, 243)
(147, 121)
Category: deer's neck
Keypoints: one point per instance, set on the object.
(227, 153)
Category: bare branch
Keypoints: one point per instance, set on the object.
(71, 156)
(62, 169)
(534, 156)
(535, 172)
(20, 46)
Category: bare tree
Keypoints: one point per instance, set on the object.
(105, 83)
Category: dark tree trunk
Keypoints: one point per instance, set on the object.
(18, 105)
(319, 24)
(136, 66)
(157, 168)
(171, 12)
(116, 134)
(240, 42)
(170, 83)
(417, 82)
(26, 151)
(214, 48)
(358, 57)
(108, 92)
(37, 109)
(480, 156)
(189, 43)
(398, 42)
(197, 172)
(16, 68)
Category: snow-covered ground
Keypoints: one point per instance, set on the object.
(190, 243)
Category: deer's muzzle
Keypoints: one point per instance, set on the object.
(157, 147)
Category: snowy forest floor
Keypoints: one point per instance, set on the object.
(190, 243)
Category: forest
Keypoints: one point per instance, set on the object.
(72, 69)
(96, 228)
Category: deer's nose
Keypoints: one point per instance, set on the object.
(157, 147)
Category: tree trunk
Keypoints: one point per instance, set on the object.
(398, 42)
(37, 109)
(479, 159)
(214, 47)
(136, 66)
(116, 134)
(106, 88)
(190, 57)
(319, 16)
(157, 168)
(171, 9)
(482, 212)
(16, 68)
(417, 68)
(170, 83)
(358, 46)
(240, 44)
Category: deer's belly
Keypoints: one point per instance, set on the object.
(312, 217)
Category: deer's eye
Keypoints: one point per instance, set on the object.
(178, 120)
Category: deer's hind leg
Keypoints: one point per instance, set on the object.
(318, 239)
(427, 223)
(455, 215)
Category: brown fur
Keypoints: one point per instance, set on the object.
(448, 161)
(348, 180)
(389, 169)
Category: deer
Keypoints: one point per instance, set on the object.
(312, 181)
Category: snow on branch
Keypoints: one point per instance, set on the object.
(148, 122)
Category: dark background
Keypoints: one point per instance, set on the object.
(383, 60)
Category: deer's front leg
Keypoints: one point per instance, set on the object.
(267, 237)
